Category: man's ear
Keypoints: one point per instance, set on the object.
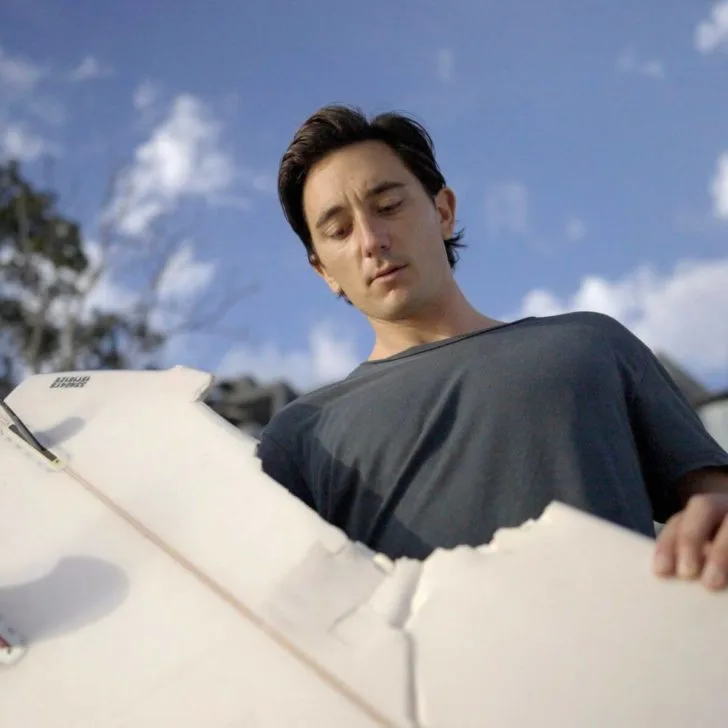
(446, 205)
(320, 270)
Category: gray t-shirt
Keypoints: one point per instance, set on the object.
(444, 443)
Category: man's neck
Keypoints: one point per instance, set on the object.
(440, 322)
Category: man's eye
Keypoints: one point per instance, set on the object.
(339, 233)
(390, 208)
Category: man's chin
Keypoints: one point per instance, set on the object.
(394, 310)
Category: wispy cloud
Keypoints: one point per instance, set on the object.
(681, 313)
(185, 276)
(719, 188)
(88, 69)
(32, 105)
(507, 209)
(18, 142)
(145, 96)
(23, 104)
(575, 230)
(628, 62)
(46, 108)
(329, 356)
(263, 182)
(17, 73)
(182, 158)
(444, 65)
(712, 34)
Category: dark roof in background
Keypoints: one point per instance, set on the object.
(695, 392)
(720, 396)
(247, 404)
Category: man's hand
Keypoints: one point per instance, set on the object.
(694, 543)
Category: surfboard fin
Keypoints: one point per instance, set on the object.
(20, 430)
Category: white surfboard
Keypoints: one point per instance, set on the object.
(152, 575)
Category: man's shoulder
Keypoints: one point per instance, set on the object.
(596, 339)
(598, 326)
(593, 320)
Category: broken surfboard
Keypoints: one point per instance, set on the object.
(152, 575)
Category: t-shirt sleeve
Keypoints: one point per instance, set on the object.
(279, 465)
(671, 438)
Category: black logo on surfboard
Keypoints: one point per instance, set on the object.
(70, 382)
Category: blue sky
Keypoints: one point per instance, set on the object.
(585, 142)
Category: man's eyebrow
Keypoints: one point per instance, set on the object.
(384, 187)
(378, 189)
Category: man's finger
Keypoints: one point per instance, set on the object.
(697, 526)
(665, 557)
(715, 571)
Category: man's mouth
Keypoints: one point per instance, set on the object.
(387, 273)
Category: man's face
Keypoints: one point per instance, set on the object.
(377, 236)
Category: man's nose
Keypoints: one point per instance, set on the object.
(374, 234)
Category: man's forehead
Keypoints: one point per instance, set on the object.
(362, 167)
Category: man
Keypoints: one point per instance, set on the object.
(458, 424)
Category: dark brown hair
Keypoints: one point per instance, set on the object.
(334, 127)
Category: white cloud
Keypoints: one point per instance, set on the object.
(96, 285)
(145, 96)
(719, 188)
(627, 62)
(184, 276)
(182, 158)
(22, 105)
(108, 295)
(575, 229)
(682, 314)
(89, 68)
(712, 34)
(178, 288)
(328, 357)
(18, 73)
(506, 209)
(18, 142)
(444, 65)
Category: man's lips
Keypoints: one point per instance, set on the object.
(388, 272)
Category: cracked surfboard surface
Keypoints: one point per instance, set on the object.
(158, 577)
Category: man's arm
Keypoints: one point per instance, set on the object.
(685, 469)
(678, 456)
